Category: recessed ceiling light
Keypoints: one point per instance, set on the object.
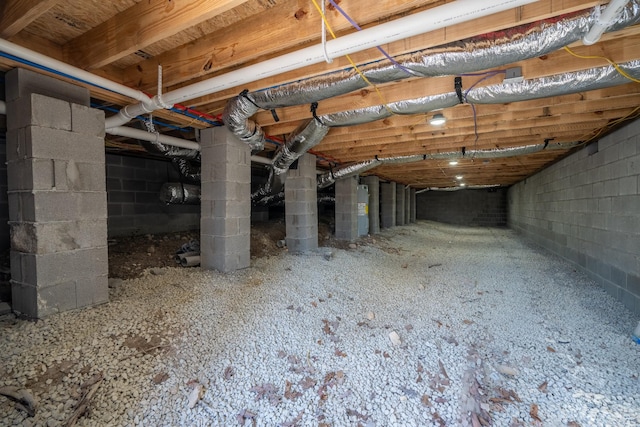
(453, 162)
(459, 177)
(437, 120)
(462, 184)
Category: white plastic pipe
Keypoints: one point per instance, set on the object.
(73, 72)
(432, 19)
(167, 140)
(610, 14)
(153, 137)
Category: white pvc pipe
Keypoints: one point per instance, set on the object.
(153, 137)
(611, 13)
(432, 19)
(70, 70)
(167, 140)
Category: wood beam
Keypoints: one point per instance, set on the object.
(527, 14)
(139, 26)
(288, 25)
(619, 50)
(18, 14)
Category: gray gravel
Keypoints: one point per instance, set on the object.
(490, 329)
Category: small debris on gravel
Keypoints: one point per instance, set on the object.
(286, 342)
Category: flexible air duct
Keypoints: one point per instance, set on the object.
(467, 187)
(187, 169)
(556, 85)
(455, 59)
(329, 178)
(379, 35)
(177, 193)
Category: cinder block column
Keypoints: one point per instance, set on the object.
(374, 202)
(407, 206)
(225, 211)
(301, 206)
(400, 204)
(347, 208)
(412, 198)
(388, 196)
(57, 196)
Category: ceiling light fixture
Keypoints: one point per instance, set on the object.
(459, 177)
(437, 120)
(453, 162)
(462, 184)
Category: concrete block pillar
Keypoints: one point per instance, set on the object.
(373, 182)
(347, 208)
(57, 196)
(225, 210)
(301, 206)
(400, 204)
(407, 205)
(412, 199)
(388, 202)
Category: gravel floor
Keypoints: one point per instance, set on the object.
(491, 331)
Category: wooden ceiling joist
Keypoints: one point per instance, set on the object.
(139, 26)
(18, 14)
(194, 40)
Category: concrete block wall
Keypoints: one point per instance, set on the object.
(57, 196)
(133, 188)
(388, 204)
(586, 208)
(301, 206)
(5, 243)
(485, 208)
(347, 208)
(225, 210)
(407, 205)
(400, 204)
(412, 201)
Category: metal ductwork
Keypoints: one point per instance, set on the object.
(177, 193)
(454, 59)
(556, 85)
(467, 187)
(329, 178)
(187, 169)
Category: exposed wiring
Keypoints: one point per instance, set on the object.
(633, 114)
(612, 63)
(186, 111)
(353, 64)
(357, 27)
(50, 70)
(324, 36)
(487, 75)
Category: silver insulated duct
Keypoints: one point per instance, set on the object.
(329, 178)
(177, 193)
(454, 59)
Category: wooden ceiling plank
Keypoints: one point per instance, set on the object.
(285, 26)
(491, 123)
(18, 14)
(139, 26)
(539, 10)
(558, 63)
